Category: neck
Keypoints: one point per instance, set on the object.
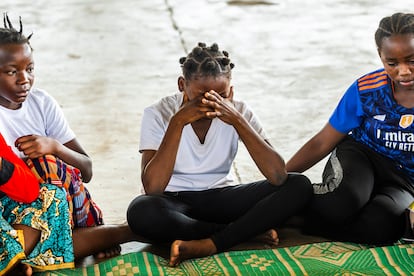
(9, 104)
(404, 96)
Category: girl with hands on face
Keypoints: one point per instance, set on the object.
(222, 106)
(188, 143)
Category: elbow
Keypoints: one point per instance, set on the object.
(277, 173)
(278, 177)
(152, 188)
(32, 192)
(87, 177)
(32, 197)
(152, 191)
(87, 173)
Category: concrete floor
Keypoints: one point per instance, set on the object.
(104, 61)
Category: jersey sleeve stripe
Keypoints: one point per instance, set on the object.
(373, 75)
(376, 85)
(372, 81)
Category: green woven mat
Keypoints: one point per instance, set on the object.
(327, 258)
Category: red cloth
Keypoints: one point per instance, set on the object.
(23, 185)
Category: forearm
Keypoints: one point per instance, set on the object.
(315, 149)
(305, 158)
(6, 171)
(157, 171)
(78, 160)
(18, 182)
(268, 161)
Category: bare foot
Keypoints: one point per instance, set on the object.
(183, 250)
(21, 269)
(269, 237)
(109, 253)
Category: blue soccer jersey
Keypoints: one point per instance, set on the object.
(370, 114)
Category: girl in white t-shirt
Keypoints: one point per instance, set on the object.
(188, 143)
(33, 124)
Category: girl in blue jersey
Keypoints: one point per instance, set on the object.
(188, 143)
(368, 181)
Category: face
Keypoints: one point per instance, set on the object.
(16, 74)
(196, 87)
(397, 55)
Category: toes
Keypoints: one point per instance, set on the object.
(100, 255)
(108, 253)
(174, 253)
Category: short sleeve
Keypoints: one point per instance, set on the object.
(57, 126)
(152, 130)
(251, 118)
(348, 113)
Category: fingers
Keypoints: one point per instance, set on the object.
(210, 104)
(29, 150)
(24, 142)
(24, 139)
(217, 102)
(213, 95)
(212, 99)
(29, 145)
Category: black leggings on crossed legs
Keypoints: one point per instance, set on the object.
(362, 198)
(227, 215)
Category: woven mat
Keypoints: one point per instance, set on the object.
(327, 258)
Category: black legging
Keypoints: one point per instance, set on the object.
(227, 215)
(367, 197)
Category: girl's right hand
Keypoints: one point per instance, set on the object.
(35, 146)
(193, 110)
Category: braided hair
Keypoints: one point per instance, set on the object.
(8, 34)
(398, 23)
(206, 61)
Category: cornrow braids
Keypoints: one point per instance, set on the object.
(8, 34)
(398, 23)
(206, 61)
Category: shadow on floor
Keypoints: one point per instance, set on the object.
(288, 236)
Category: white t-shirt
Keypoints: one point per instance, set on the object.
(39, 114)
(198, 166)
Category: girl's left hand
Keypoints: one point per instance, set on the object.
(35, 146)
(223, 107)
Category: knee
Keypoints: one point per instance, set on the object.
(297, 190)
(340, 205)
(141, 211)
(386, 228)
(55, 196)
(135, 211)
(59, 193)
(335, 210)
(300, 185)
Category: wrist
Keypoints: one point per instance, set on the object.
(238, 121)
(6, 171)
(177, 121)
(58, 149)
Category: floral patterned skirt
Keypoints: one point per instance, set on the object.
(49, 214)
